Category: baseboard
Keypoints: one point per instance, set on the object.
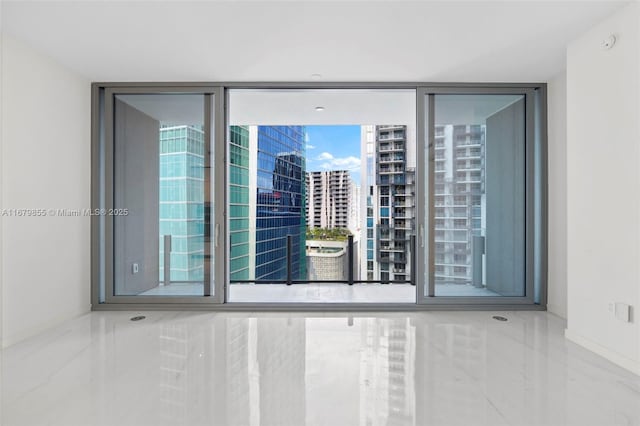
(51, 323)
(616, 358)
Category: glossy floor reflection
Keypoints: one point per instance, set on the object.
(436, 368)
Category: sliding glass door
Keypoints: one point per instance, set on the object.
(161, 210)
(477, 217)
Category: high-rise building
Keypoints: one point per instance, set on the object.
(328, 199)
(459, 199)
(181, 201)
(266, 204)
(388, 180)
(354, 211)
(242, 247)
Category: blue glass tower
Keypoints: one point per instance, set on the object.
(182, 200)
(280, 202)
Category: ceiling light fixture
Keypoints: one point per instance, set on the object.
(319, 108)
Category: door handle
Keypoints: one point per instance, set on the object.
(421, 234)
(217, 234)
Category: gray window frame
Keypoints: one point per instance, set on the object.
(535, 194)
(102, 241)
(535, 298)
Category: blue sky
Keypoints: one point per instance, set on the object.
(334, 148)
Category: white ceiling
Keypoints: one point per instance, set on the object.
(298, 107)
(273, 107)
(289, 41)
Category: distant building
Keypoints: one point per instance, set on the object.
(181, 203)
(266, 202)
(327, 260)
(388, 180)
(328, 199)
(354, 211)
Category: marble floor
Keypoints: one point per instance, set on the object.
(324, 369)
(321, 292)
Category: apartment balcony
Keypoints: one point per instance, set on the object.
(401, 214)
(402, 204)
(393, 246)
(392, 148)
(469, 144)
(468, 156)
(391, 136)
(391, 159)
(389, 127)
(391, 170)
(401, 236)
(384, 232)
(403, 224)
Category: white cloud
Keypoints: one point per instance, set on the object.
(309, 146)
(325, 156)
(347, 163)
(338, 163)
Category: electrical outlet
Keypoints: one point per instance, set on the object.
(623, 312)
(135, 268)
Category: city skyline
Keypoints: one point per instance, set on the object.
(285, 197)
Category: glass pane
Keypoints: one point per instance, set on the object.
(160, 158)
(479, 195)
(307, 171)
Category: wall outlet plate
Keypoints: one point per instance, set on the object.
(623, 312)
(135, 268)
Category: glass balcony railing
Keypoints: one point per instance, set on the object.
(299, 259)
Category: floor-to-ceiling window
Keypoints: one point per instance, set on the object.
(479, 214)
(321, 195)
(282, 196)
(157, 209)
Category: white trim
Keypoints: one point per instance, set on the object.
(614, 357)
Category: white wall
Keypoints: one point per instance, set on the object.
(45, 164)
(1, 180)
(603, 176)
(557, 169)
